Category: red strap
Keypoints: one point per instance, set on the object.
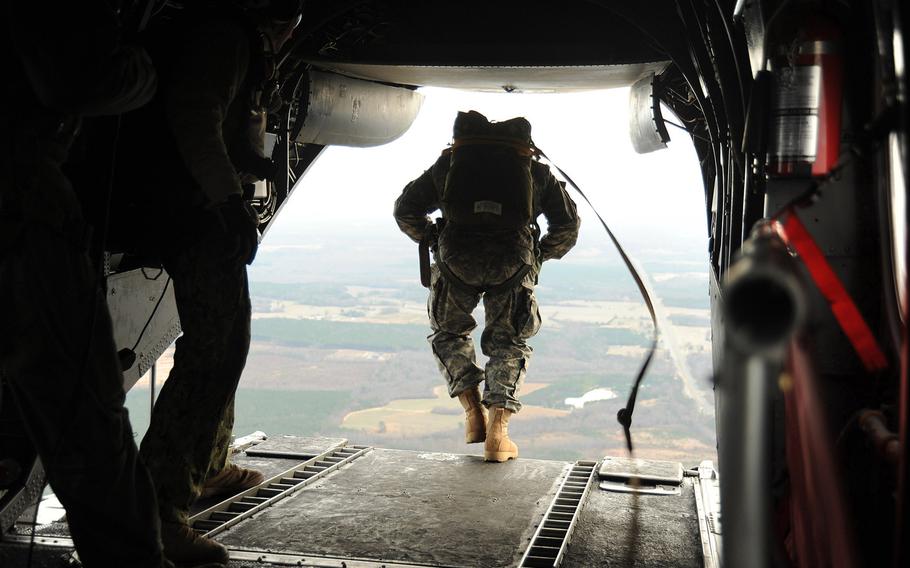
(845, 311)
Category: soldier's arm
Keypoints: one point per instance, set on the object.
(206, 77)
(563, 221)
(72, 56)
(416, 202)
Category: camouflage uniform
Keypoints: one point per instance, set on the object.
(57, 355)
(207, 108)
(484, 259)
(190, 430)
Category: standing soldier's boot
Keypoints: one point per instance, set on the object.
(230, 481)
(186, 548)
(499, 447)
(475, 422)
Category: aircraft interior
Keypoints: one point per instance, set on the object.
(797, 111)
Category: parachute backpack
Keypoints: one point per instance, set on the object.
(489, 183)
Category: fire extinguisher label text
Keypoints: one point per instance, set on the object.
(798, 87)
(797, 137)
(795, 120)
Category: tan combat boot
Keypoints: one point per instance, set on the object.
(499, 447)
(186, 548)
(230, 481)
(475, 421)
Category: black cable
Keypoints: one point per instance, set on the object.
(715, 58)
(155, 277)
(313, 28)
(624, 416)
(742, 80)
(683, 128)
(706, 67)
(679, 98)
(151, 315)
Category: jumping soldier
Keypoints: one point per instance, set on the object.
(486, 246)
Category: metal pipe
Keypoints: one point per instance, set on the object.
(763, 308)
(744, 439)
(763, 299)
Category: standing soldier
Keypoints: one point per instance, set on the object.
(490, 192)
(57, 355)
(186, 162)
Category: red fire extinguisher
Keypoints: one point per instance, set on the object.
(807, 99)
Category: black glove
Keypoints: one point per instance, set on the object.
(431, 235)
(240, 222)
(248, 162)
(262, 168)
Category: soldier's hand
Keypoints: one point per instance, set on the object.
(240, 223)
(431, 234)
(263, 168)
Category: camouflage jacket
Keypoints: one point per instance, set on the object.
(206, 106)
(423, 196)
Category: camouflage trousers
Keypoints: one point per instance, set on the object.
(511, 318)
(59, 367)
(190, 430)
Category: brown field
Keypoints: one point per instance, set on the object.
(429, 415)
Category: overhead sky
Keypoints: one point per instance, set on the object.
(655, 197)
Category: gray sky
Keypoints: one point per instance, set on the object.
(655, 197)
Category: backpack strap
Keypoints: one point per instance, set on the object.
(512, 282)
(624, 416)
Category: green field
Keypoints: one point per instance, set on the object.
(555, 394)
(582, 340)
(336, 334)
(310, 293)
(300, 413)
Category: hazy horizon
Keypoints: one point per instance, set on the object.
(340, 325)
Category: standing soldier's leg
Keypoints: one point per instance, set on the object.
(189, 417)
(58, 358)
(512, 317)
(452, 323)
(224, 477)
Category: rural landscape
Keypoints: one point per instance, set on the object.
(339, 349)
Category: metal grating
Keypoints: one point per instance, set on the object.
(16, 500)
(548, 545)
(228, 513)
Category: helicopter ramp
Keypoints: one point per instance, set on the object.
(329, 503)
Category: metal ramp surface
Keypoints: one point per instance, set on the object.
(357, 507)
(411, 507)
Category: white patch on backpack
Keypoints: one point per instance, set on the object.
(488, 207)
